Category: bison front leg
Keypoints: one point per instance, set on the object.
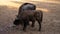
(25, 25)
(33, 23)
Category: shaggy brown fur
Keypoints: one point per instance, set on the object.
(30, 15)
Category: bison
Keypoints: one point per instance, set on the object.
(26, 6)
(29, 15)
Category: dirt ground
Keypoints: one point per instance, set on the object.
(50, 24)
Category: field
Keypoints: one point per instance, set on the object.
(50, 24)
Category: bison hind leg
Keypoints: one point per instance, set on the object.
(39, 22)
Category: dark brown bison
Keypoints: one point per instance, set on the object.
(26, 6)
(29, 15)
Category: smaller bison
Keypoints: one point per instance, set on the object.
(29, 15)
(27, 6)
